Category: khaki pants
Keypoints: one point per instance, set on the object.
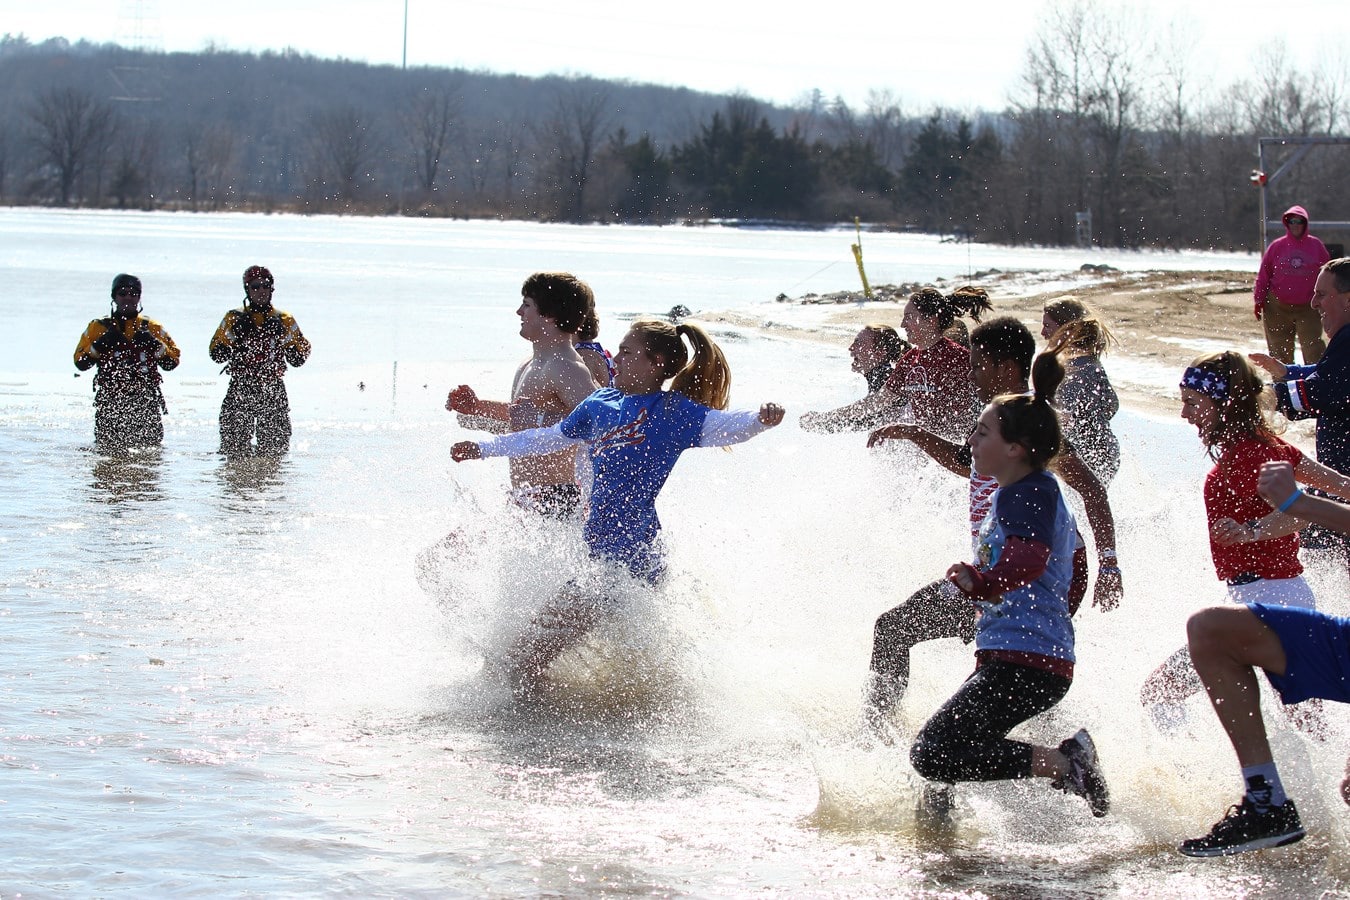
(1283, 322)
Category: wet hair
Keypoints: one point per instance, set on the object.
(1005, 338)
(945, 308)
(1241, 405)
(888, 341)
(1340, 273)
(705, 378)
(562, 297)
(1032, 421)
(958, 331)
(590, 327)
(1079, 330)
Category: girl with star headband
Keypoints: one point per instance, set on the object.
(1254, 547)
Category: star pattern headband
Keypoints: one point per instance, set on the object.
(1207, 383)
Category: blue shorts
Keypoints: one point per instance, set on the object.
(1316, 650)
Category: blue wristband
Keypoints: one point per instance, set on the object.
(1284, 507)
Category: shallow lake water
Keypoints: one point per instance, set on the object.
(223, 677)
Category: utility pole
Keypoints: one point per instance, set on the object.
(405, 35)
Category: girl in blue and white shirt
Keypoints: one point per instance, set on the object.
(636, 432)
(1020, 582)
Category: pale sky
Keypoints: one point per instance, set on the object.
(962, 55)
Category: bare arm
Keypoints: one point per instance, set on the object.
(1272, 365)
(1278, 524)
(949, 455)
(463, 400)
(482, 423)
(572, 382)
(1314, 474)
(1109, 588)
(1277, 487)
(854, 416)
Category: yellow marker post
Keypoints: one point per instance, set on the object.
(857, 257)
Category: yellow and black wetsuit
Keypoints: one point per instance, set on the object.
(256, 348)
(128, 403)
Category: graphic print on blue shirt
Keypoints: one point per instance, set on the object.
(635, 440)
(1033, 618)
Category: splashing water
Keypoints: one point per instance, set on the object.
(228, 676)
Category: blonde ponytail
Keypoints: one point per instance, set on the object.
(706, 378)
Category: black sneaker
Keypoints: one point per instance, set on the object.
(1243, 829)
(933, 813)
(1085, 773)
(937, 798)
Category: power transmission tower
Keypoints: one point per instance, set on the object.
(138, 31)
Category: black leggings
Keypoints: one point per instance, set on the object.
(937, 610)
(966, 739)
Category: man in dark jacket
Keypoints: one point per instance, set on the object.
(1322, 390)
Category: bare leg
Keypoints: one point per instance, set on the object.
(1227, 645)
(1309, 718)
(1172, 682)
(558, 626)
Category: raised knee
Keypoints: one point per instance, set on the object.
(891, 625)
(1205, 628)
(927, 759)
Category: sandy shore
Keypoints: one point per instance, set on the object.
(1162, 320)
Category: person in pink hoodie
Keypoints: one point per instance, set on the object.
(1284, 288)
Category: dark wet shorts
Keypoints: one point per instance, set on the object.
(556, 501)
(1316, 649)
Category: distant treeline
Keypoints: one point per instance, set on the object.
(1107, 119)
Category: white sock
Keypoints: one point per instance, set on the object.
(1264, 789)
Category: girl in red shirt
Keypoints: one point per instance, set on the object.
(1255, 548)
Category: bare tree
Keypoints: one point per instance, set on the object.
(427, 120)
(136, 165)
(887, 127)
(1281, 101)
(1077, 115)
(575, 133)
(343, 145)
(209, 157)
(6, 156)
(70, 130)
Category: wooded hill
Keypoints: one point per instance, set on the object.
(1094, 125)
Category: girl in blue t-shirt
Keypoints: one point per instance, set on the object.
(636, 432)
(1024, 637)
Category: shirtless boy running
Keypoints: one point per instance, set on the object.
(547, 386)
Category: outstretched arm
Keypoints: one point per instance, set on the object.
(1315, 474)
(721, 429)
(856, 416)
(532, 442)
(463, 400)
(1109, 589)
(1277, 523)
(1270, 364)
(952, 457)
(482, 423)
(1276, 486)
